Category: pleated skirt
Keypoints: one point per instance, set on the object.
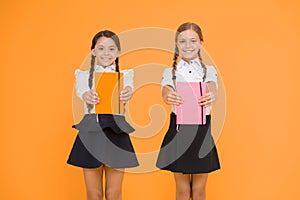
(95, 146)
(189, 149)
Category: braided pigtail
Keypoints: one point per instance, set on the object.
(176, 54)
(117, 64)
(91, 80)
(203, 66)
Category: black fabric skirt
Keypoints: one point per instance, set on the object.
(189, 149)
(103, 140)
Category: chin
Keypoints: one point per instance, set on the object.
(105, 64)
(189, 57)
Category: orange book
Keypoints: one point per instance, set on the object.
(108, 85)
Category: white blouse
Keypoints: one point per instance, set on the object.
(82, 77)
(189, 72)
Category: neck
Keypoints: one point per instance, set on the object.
(188, 60)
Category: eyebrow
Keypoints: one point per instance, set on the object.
(187, 38)
(101, 45)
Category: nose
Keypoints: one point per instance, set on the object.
(106, 52)
(188, 44)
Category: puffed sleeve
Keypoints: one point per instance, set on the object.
(167, 78)
(128, 78)
(81, 85)
(212, 75)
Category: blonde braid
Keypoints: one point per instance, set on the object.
(203, 66)
(176, 54)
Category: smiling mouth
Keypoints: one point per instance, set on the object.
(107, 59)
(188, 51)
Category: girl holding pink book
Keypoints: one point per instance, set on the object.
(189, 150)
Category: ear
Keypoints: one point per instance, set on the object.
(93, 52)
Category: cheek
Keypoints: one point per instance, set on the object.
(114, 54)
(179, 47)
(180, 51)
(97, 53)
(98, 60)
(117, 53)
(98, 56)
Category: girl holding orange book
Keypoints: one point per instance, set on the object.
(103, 143)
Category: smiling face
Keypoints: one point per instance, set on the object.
(188, 44)
(106, 51)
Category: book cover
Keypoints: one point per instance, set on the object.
(190, 112)
(108, 85)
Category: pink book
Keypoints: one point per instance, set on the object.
(190, 112)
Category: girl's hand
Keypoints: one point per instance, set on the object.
(207, 100)
(91, 97)
(126, 94)
(172, 98)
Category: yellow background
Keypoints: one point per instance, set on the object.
(254, 44)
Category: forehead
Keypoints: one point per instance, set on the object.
(188, 34)
(104, 41)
